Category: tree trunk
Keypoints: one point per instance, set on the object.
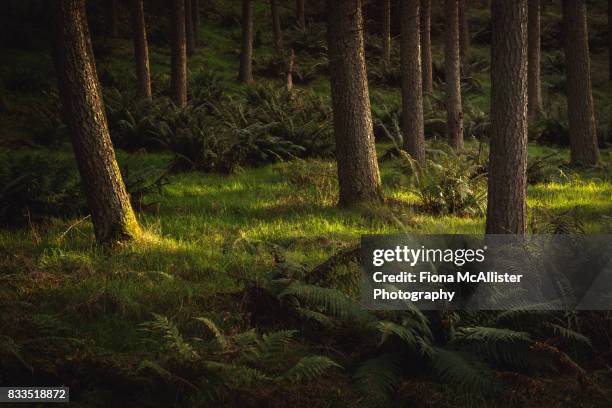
(535, 87)
(452, 68)
(141, 49)
(506, 209)
(583, 137)
(276, 28)
(290, 65)
(111, 212)
(426, 46)
(412, 92)
(178, 80)
(358, 174)
(113, 29)
(300, 14)
(246, 51)
(610, 39)
(464, 30)
(386, 32)
(189, 33)
(195, 12)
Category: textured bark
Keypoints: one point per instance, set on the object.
(290, 65)
(195, 13)
(386, 32)
(358, 174)
(464, 30)
(189, 33)
(141, 49)
(583, 137)
(178, 77)
(300, 14)
(412, 92)
(452, 70)
(113, 29)
(535, 86)
(426, 46)
(246, 51)
(276, 27)
(81, 96)
(506, 209)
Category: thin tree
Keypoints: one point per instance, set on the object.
(535, 86)
(276, 27)
(300, 14)
(141, 49)
(386, 32)
(426, 46)
(452, 71)
(189, 32)
(412, 93)
(610, 39)
(358, 174)
(111, 10)
(583, 137)
(108, 201)
(246, 50)
(178, 75)
(506, 209)
(195, 12)
(464, 30)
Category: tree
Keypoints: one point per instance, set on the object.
(358, 174)
(189, 33)
(426, 46)
(80, 92)
(412, 93)
(195, 13)
(610, 39)
(246, 50)
(178, 77)
(386, 32)
(535, 87)
(452, 71)
(276, 28)
(583, 137)
(506, 209)
(111, 10)
(464, 30)
(141, 49)
(300, 14)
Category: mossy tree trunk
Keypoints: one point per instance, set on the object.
(386, 32)
(452, 71)
(535, 86)
(426, 46)
(507, 209)
(246, 50)
(108, 201)
(141, 49)
(358, 173)
(583, 136)
(412, 92)
(178, 75)
(276, 28)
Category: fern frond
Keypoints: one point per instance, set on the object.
(569, 334)
(275, 342)
(309, 368)
(173, 340)
(377, 378)
(499, 345)
(464, 371)
(218, 333)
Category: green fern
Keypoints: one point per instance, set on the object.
(464, 371)
(309, 368)
(172, 338)
(377, 379)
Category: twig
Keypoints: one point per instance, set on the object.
(63, 234)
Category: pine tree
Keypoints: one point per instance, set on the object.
(178, 75)
(535, 86)
(426, 46)
(452, 64)
(141, 49)
(386, 32)
(246, 50)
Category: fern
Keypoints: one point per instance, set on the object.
(218, 333)
(173, 340)
(309, 368)
(377, 378)
(464, 371)
(569, 334)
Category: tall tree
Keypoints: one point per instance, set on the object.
(276, 27)
(583, 137)
(386, 32)
(506, 209)
(426, 46)
(111, 10)
(535, 86)
(189, 32)
(610, 39)
(412, 92)
(178, 76)
(358, 174)
(246, 50)
(141, 49)
(108, 201)
(464, 30)
(300, 14)
(452, 73)
(195, 12)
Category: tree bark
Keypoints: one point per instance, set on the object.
(358, 174)
(535, 87)
(276, 28)
(452, 65)
(111, 212)
(300, 14)
(290, 65)
(426, 46)
(141, 49)
(610, 39)
(178, 79)
(506, 209)
(113, 29)
(246, 51)
(189, 33)
(412, 92)
(195, 12)
(583, 136)
(386, 32)
(464, 30)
